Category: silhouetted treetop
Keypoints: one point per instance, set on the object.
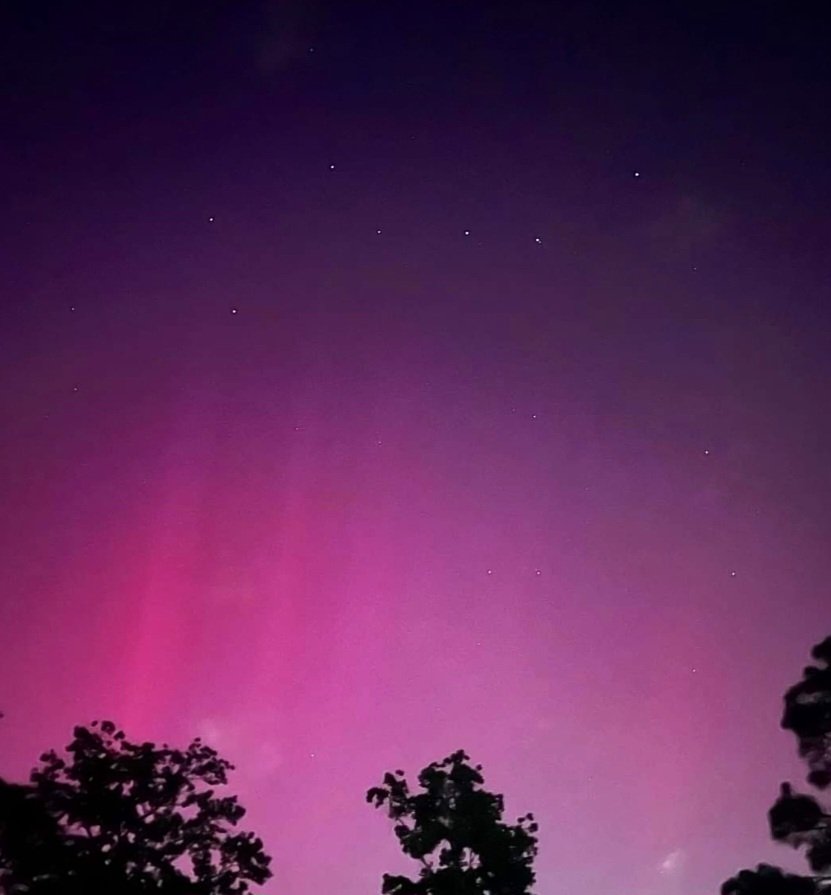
(114, 816)
(454, 829)
(767, 880)
(808, 715)
(795, 819)
(793, 815)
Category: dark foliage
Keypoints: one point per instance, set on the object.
(767, 880)
(796, 819)
(808, 715)
(114, 816)
(454, 829)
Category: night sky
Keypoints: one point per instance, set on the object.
(381, 379)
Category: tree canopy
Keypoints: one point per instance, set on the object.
(797, 819)
(454, 829)
(111, 816)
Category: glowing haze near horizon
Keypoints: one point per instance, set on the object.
(380, 383)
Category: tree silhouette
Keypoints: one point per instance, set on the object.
(111, 816)
(796, 819)
(455, 830)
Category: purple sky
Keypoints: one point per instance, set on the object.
(539, 470)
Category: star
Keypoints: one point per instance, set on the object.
(637, 173)
(331, 167)
(467, 232)
(233, 310)
(706, 452)
(490, 571)
(378, 232)
(538, 571)
(733, 574)
(538, 240)
(210, 220)
(72, 308)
